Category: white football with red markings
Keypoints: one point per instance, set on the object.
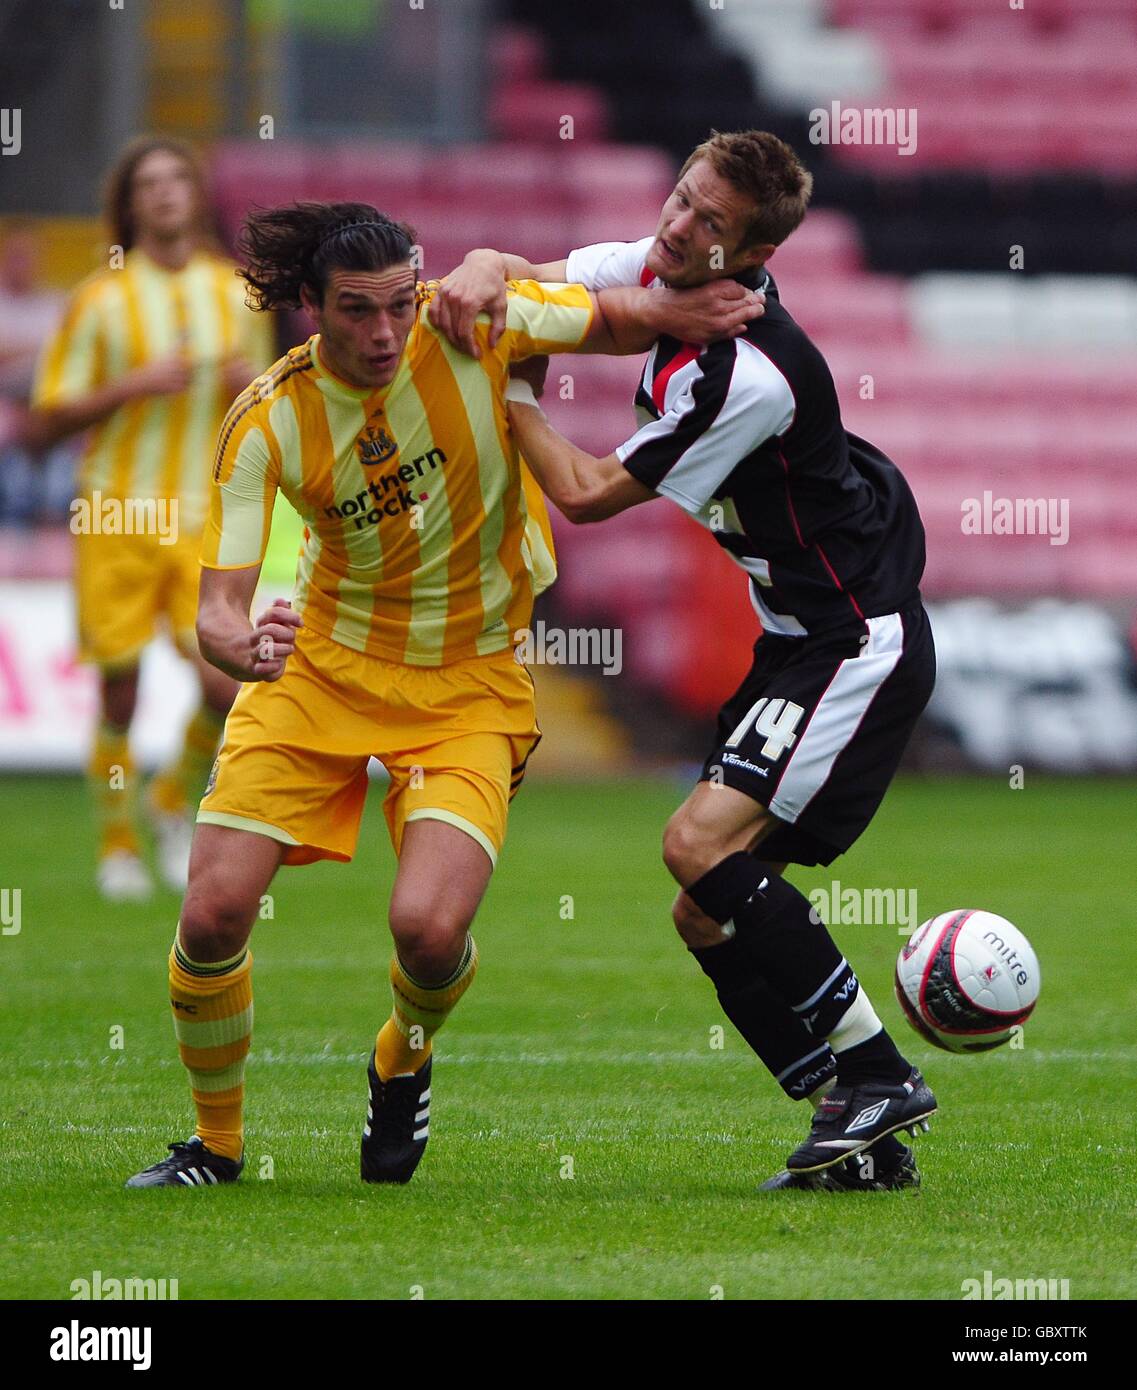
(967, 979)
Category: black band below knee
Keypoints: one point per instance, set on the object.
(788, 940)
(725, 887)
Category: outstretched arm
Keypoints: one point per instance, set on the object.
(716, 414)
(580, 486)
(629, 318)
(476, 287)
(518, 268)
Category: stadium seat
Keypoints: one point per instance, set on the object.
(951, 14)
(758, 17)
(251, 173)
(827, 243)
(492, 171)
(875, 307)
(537, 111)
(393, 173)
(1040, 381)
(802, 68)
(1008, 309)
(515, 53)
(616, 170)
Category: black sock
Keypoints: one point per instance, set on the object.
(876, 1059)
(797, 1060)
(791, 944)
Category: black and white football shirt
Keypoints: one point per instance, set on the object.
(746, 436)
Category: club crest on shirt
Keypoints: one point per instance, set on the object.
(375, 446)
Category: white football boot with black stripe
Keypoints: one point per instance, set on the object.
(398, 1125)
(852, 1118)
(190, 1165)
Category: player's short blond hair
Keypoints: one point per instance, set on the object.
(768, 172)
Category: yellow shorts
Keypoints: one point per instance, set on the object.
(126, 586)
(293, 762)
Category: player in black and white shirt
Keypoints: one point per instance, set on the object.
(745, 435)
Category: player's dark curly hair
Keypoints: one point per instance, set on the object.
(285, 248)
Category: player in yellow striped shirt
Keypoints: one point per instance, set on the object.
(426, 543)
(147, 359)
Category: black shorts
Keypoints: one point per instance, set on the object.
(817, 729)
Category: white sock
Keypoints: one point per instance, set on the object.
(857, 1024)
(816, 1097)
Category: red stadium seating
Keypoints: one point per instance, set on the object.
(1009, 93)
(921, 378)
(947, 14)
(515, 54)
(829, 307)
(826, 243)
(958, 422)
(536, 111)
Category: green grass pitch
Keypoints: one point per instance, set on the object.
(584, 1048)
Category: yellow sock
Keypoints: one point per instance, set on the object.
(213, 1023)
(419, 1011)
(110, 777)
(183, 783)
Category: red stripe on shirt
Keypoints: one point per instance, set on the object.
(659, 385)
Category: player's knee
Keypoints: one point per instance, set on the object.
(214, 925)
(429, 940)
(687, 851)
(120, 698)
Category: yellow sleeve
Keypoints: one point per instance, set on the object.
(544, 318)
(246, 474)
(72, 363)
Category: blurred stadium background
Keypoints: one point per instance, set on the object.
(537, 127)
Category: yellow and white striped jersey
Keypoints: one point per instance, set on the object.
(426, 537)
(118, 320)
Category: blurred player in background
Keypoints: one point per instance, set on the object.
(149, 356)
(425, 547)
(745, 435)
(33, 486)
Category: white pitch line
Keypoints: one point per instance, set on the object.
(590, 1133)
(587, 1056)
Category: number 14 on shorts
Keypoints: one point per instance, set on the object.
(776, 719)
